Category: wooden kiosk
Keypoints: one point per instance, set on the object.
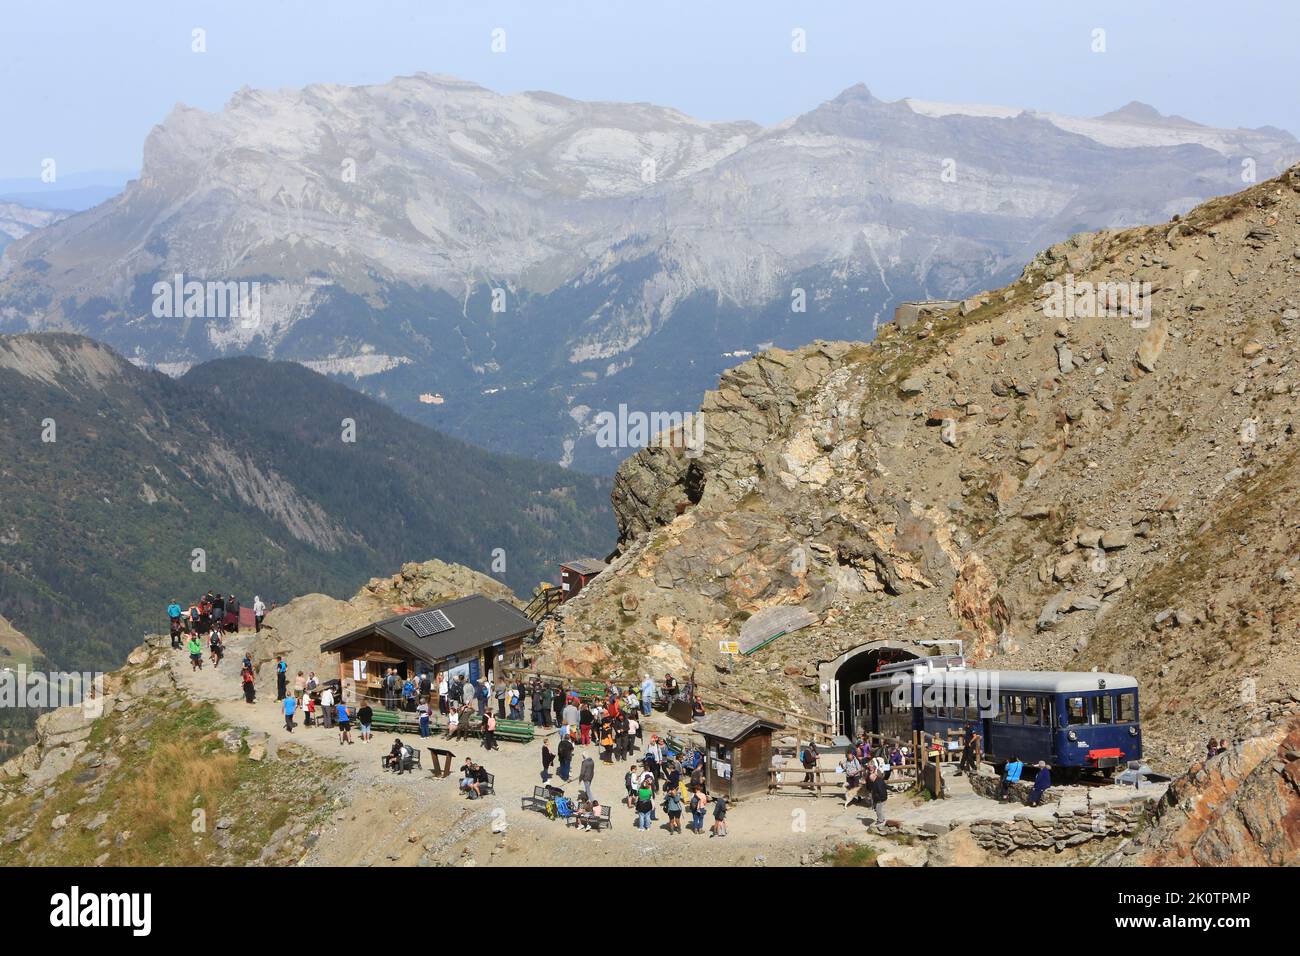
(738, 752)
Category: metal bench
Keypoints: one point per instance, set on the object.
(541, 796)
(410, 760)
(603, 822)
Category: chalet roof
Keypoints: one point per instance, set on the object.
(477, 621)
(731, 726)
(585, 565)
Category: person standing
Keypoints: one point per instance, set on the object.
(697, 804)
(246, 677)
(290, 705)
(547, 759)
(259, 613)
(586, 775)
(281, 677)
(719, 827)
(879, 794)
(300, 687)
(548, 697)
(327, 707)
(422, 709)
(647, 694)
(364, 716)
(645, 804)
(502, 691)
(673, 806)
(174, 620)
(344, 724)
(571, 716)
(490, 731)
(196, 653)
(565, 753)
(442, 693)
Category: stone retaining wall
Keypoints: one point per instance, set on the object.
(1062, 829)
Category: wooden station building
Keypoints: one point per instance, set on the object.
(473, 636)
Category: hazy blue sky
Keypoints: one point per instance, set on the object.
(83, 82)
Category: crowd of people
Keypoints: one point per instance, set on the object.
(205, 623)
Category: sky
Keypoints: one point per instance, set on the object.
(83, 81)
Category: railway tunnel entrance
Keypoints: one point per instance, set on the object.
(859, 663)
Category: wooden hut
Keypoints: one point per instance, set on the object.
(738, 748)
(575, 575)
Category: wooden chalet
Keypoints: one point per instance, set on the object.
(738, 749)
(475, 636)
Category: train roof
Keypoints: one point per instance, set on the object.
(1043, 682)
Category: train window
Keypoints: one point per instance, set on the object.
(1127, 708)
(1076, 710)
(1103, 709)
(1017, 712)
(1031, 710)
(1049, 712)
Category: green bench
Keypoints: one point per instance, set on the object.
(515, 731)
(396, 721)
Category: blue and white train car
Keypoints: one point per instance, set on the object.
(1074, 721)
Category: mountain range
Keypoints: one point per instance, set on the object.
(508, 267)
(122, 489)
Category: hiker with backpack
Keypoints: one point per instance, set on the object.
(216, 647)
(490, 731)
(698, 802)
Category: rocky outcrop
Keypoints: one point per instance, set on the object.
(297, 629)
(958, 481)
(1240, 808)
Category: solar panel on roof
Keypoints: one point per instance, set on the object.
(428, 623)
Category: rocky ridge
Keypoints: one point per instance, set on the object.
(1058, 491)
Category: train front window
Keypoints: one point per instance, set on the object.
(1127, 708)
(1076, 710)
(1103, 709)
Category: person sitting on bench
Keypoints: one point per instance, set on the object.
(397, 759)
(475, 777)
(589, 817)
